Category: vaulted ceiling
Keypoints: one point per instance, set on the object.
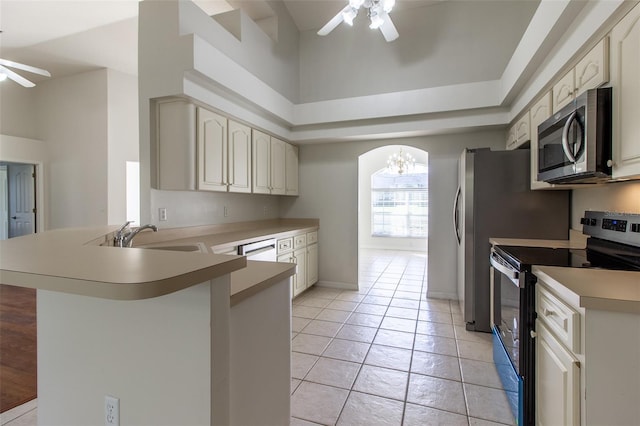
(70, 36)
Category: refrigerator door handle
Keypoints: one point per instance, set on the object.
(456, 215)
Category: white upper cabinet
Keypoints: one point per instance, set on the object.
(592, 71)
(625, 80)
(274, 171)
(239, 157)
(539, 112)
(564, 91)
(212, 151)
(291, 166)
(278, 170)
(173, 155)
(198, 149)
(261, 162)
(519, 133)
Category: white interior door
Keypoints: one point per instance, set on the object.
(4, 203)
(22, 208)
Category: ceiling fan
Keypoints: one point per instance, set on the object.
(5, 72)
(377, 11)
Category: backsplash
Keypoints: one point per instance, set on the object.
(618, 197)
(193, 208)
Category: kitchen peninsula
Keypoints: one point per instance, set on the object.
(160, 330)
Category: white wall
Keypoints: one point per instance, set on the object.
(73, 120)
(370, 163)
(615, 197)
(122, 139)
(17, 110)
(192, 208)
(442, 259)
(329, 191)
(165, 358)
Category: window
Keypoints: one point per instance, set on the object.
(400, 203)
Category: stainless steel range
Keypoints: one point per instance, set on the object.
(613, 243)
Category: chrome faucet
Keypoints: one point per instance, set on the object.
(124, 235)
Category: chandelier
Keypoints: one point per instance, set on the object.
(400, 162)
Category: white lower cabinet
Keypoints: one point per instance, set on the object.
(586, 361)
(557, 381)
(301, 249)
(312, 264)
(300, 279)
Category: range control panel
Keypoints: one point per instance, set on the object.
(621, 227)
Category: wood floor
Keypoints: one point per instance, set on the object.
(18, 359)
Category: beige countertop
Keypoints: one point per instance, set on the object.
(256, 277)
(74, 261)
(577, 240)
(593, 288)
(218, 237)
(61, 261)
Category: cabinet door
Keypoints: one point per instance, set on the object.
(523, 130)
(288, 258)
(511, 137)
(278, 158)
(312, 264)
(300, 282)
(291, 169)
(239, 157)
(212, 151)
(557, 381)
(173, 156)
(593, 70)
(261, 161)
(539, 112)
(625, 69)
(564, 91)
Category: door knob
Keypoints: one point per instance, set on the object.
(14, 217)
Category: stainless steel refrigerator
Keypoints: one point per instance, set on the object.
(494, 200)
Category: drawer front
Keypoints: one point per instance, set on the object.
(560, 318)
(299, 241)
(285, 245)
(312, 237)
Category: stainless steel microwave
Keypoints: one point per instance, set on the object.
(574, 145)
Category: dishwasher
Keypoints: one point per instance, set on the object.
(264, 250)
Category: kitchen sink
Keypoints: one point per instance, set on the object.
(199, 247)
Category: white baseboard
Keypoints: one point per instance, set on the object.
(441, 295)
(338, 285)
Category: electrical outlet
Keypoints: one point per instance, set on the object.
(226, 211)
(265, 210)
(162, 213)
(111, 411)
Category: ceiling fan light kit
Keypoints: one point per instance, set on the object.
(377, 11)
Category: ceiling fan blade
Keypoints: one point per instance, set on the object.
(24, 67)
(333, 23)
(389, 30)
(16, 77)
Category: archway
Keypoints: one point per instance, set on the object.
(393, 211)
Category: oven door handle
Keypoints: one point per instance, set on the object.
(512, 274)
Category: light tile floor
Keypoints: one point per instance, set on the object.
(387, 355)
